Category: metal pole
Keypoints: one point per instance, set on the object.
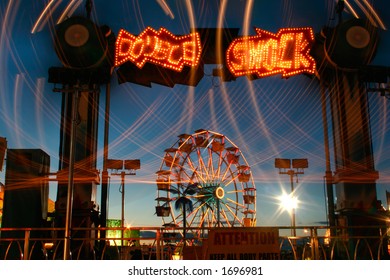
(314, 244)
(293, 230)
(158, 245)
(328, 172)
(104, 193)
(26, 244)
(123, 205)
(69, 202)
(218, 213)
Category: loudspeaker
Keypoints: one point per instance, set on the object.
(79, 43)
(352, 43)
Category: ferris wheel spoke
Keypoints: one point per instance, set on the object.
(198, 196)
(189, 178)
(198, 207)
(174, 217)
(195, 213)
(218, 172)
(218, 168)
(208, 217)
(182, 180)
(199, 175)
(234, 192)
(202, 165)
(233, 179)
(226, 173)
(226, 217)
(210, 166)
(195, 171)
(200, 202)
(235, 203)
(231, 211)
(203, 216)
(214, 218)
(195, 209)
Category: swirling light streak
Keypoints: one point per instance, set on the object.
(211, 104)
(163, 4)
(39, 105)
(368, 10)
(16, 102)
(351, 9)
(378, 110)
(23, 80)
(69, 10)
(45, 15)
(370, 13)
(5, 38)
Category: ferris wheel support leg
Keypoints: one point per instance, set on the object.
(158, 244)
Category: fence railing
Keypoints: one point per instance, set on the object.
(155, 243)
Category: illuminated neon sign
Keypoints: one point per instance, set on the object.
(159, 47)
(265, 54)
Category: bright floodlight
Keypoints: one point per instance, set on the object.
(288, 202)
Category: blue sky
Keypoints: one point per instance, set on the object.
(266, 118)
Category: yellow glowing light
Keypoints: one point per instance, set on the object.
(288, 202)
(159, 47)
(48, 245)
(265, 54)
(219, 193)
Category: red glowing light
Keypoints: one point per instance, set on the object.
(159, 47)
(265, 54)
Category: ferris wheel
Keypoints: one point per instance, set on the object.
(204, 181)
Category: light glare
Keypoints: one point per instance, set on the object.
(288, 202)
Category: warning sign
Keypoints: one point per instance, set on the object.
(255, 243)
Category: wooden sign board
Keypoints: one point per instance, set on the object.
(251, 243)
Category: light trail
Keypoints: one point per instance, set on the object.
(45, 15)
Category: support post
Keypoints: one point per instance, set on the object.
(293, 229)
(104, 191)
(69, 201)
(26, 244)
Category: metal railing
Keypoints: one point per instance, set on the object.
(155, 243)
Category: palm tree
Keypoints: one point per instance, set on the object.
(184, 203)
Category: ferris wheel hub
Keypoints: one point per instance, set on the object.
(219, 192)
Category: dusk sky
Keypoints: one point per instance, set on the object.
(266, 118)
